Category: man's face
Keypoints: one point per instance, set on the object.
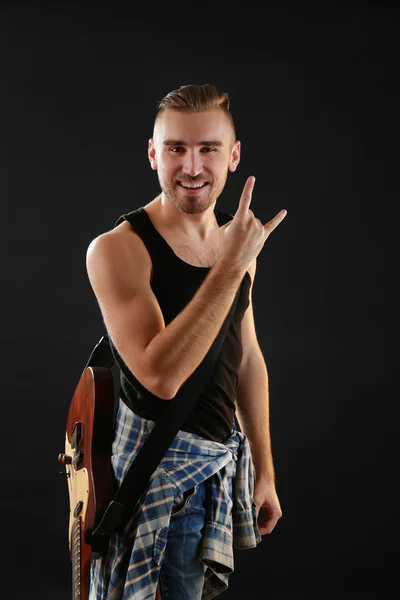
(192, 153)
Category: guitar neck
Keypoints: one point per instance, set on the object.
(76, 560)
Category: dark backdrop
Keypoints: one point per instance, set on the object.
(314, 95)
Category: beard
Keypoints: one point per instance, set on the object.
(192, 204)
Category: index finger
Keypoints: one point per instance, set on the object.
(246, 196)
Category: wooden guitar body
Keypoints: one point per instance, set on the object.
(87, 460)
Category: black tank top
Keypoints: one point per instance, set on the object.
(174, 283)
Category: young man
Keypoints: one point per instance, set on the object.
(165, 278)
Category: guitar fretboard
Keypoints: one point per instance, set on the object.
(76, 559)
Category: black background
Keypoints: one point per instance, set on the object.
(313, 91)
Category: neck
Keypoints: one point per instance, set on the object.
(199, 226)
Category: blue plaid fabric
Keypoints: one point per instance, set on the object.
(130, 569)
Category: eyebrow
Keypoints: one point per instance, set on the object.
(203, 143)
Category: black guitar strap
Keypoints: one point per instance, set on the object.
(102, 356)
(160, 438)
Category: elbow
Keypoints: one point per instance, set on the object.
(160, 389)
(158, 379)
(160, 386)
(165, 394)
(161, 378)
(146, 370)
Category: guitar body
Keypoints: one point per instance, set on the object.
(87, 460)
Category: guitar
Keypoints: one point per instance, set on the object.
(87, 461)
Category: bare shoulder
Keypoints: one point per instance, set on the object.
(120, 251)
(119, 270)
(121, 238)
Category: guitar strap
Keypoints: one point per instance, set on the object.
(160, 438)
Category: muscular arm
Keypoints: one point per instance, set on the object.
(161, 357)
(253, 415)
(253, 395)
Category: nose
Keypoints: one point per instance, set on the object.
(192, 164)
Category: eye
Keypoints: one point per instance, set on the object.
(176, 149)
(208, 149)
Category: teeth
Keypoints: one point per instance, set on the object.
(192, 186)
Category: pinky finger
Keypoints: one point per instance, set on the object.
(273, 223)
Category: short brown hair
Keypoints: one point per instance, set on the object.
(196, 98)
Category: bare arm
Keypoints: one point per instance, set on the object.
(253, 414)
(163, 357)
(253, 394)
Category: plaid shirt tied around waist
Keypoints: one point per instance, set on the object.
(130, 569)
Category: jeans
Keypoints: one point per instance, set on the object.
(182, 573)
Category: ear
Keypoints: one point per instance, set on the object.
(235, 156)
(151, 153)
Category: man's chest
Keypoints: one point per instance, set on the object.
(198, 256)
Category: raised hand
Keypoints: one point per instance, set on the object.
(242, 239)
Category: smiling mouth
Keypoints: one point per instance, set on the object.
(192, 186)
